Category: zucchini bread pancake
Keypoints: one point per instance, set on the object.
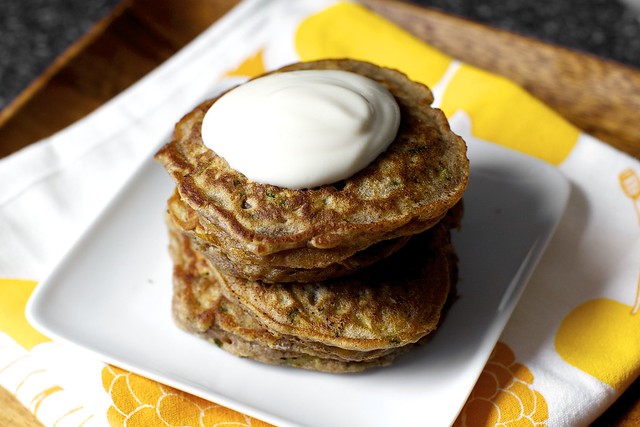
(336, 277)
(258, 227)
(345, 324)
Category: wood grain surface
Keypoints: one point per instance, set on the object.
(12, 413)
(599, 96)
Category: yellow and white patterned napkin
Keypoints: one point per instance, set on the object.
(571, 347)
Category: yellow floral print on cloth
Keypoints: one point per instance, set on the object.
(347, 30)
(250, 67)
(602, 336)
(525, 124)
(504, 395)
(138, 401)
(630, 183)
(13, 299)
(22, 371)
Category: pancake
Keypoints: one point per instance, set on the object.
(405, 191)
(337, 278)
(274, 268)
(201, 307)
(395, 302)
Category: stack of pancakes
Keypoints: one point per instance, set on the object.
(336, 278)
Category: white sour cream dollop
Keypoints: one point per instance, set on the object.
(302, 129)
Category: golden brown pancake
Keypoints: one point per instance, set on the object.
(200, 306)
(336, 278)
(271, 268)
(405, 191)
(395, 302)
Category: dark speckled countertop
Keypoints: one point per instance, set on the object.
(34, 32)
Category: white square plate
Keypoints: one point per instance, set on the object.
(112, 296)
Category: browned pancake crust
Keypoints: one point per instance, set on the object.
(391, 304)
(199, 307)
(406, 190)
(275, 268)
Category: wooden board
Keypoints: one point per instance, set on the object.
(12, 413)
(599, 96)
